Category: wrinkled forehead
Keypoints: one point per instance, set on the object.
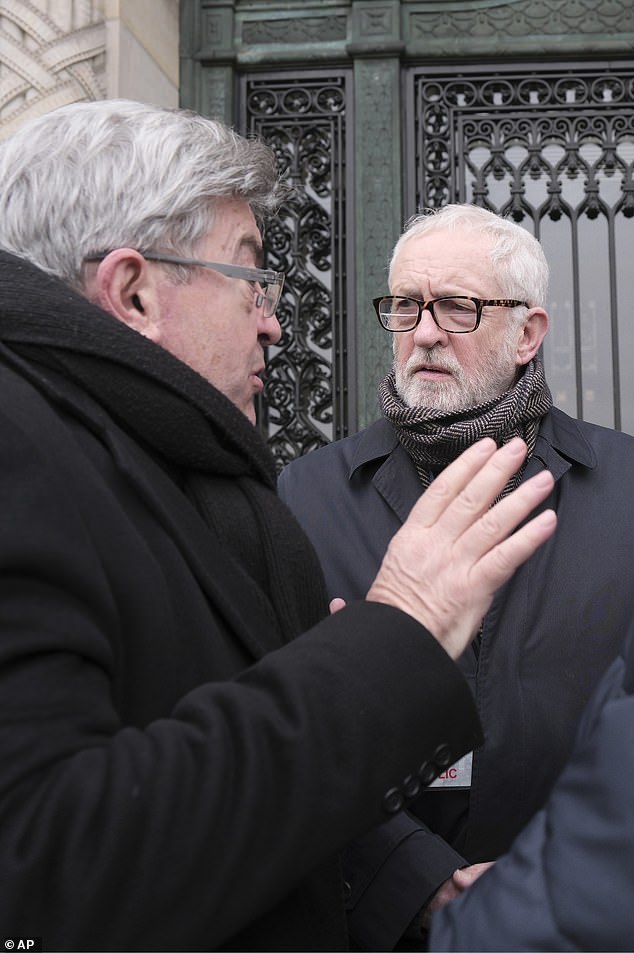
(443, 261)
(234, 234)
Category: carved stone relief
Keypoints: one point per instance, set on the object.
(468, 27)
(294, 30)
(52, 54)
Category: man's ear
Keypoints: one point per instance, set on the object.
(124, 284)
(533, 333)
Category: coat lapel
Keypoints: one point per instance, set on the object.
(395, 477)
(398, 483)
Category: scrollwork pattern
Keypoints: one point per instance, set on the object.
(304, 122)
(502, 125)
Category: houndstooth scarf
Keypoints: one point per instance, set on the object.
(433, 439)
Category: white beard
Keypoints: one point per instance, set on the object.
(496, 375)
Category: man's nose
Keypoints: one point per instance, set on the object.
(427, 333)
(269, 330)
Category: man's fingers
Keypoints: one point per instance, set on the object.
(452, 481)
(456, 548)
(498, 564)
(465, 876)
(469, 485)
(494, 525)
(484, 488)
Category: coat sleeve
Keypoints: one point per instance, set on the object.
(566, 883)
(178, 833)
(391, 873)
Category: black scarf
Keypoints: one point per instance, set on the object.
(201, 439)
(433, 438)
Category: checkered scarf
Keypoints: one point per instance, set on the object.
(433, 439)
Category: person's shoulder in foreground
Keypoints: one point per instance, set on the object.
(568, 881)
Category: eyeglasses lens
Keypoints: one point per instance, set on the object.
(451, 314)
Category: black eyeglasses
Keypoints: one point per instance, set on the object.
(271, 282)
(458, 314)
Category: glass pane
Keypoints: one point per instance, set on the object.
(624, 232)
(595, 321)
(559, 346)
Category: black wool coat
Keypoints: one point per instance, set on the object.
(172, 777)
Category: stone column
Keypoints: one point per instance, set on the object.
(376, 48)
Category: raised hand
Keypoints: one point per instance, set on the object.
(456, 548)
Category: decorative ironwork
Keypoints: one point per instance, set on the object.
(554, 149)
(308, 373)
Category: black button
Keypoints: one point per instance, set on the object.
(393, 801)
(411, 786)
(347, 891)
(427, 772)
(443, 756)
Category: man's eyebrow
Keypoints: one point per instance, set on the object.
(255, 247)
(408, 292)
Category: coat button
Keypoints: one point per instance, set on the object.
(443, 756)
(411, 786)
(347, 890)
(428, 772)
(393, 801)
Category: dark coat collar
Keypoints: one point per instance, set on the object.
(561, 441)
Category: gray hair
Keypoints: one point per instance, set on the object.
(94, 176)
(518, 258)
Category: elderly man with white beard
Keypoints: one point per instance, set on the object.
(465, 310)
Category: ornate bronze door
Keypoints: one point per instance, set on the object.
(377, 107)
(309, 395)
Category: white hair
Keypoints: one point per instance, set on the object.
(520, 265)
(90, 177)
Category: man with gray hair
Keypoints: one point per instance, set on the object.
(466, 314)
(178, 771)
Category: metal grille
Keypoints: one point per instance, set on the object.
(309, 390)
(554, 149)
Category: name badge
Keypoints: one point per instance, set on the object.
(457, 777)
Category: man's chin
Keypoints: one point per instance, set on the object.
(438, 397)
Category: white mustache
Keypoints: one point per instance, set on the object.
(430, 358)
